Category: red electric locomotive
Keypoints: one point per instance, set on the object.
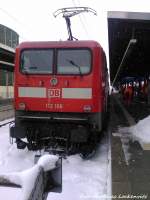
(61, 91)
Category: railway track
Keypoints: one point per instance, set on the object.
(7, 122)
(6, 108)
(82, 166)
(6, 112)
(46, 180)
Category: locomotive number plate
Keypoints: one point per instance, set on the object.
(54, 93)
(56, 106)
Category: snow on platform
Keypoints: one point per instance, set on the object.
(140, 132)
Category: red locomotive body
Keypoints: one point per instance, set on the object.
(61, 91)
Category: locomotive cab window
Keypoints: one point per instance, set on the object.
(37, 61)
(74, 61)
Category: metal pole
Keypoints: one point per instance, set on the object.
(132, 41)
(69, 28)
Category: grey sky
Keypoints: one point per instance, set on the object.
(33, 19)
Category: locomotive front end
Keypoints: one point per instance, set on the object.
(58, 95)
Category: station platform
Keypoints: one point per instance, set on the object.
(130, 162)
(6, 109)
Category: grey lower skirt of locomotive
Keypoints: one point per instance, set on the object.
(58, 132)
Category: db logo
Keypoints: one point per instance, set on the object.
(54, 93)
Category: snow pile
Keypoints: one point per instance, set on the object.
(85, 179)
(48, 162)
(141, 131)
(27, 178)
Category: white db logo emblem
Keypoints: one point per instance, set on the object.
(53, 81)
(54, 93)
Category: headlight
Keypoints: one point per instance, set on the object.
(22, 106)
(87, 108)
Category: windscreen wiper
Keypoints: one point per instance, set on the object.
(76, 65)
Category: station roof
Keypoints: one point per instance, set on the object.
(7, 48)
(6, 65)
(129, 41)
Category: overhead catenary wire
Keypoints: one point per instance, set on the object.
(10, 15)
(69, 12)
(81, 20)
(15, 20)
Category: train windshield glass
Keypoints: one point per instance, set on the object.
(37, 61)
(74, 61)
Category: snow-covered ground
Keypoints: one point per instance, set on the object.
(82, 179)
(139, 132)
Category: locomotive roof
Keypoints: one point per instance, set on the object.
(59, 44)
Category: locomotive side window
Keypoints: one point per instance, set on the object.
(37, 61)
(73, 61)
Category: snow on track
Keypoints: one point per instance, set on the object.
(82, 179)
(85, 179)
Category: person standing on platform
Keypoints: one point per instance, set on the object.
(128, 94)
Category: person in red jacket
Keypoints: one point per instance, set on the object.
(128, 94)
